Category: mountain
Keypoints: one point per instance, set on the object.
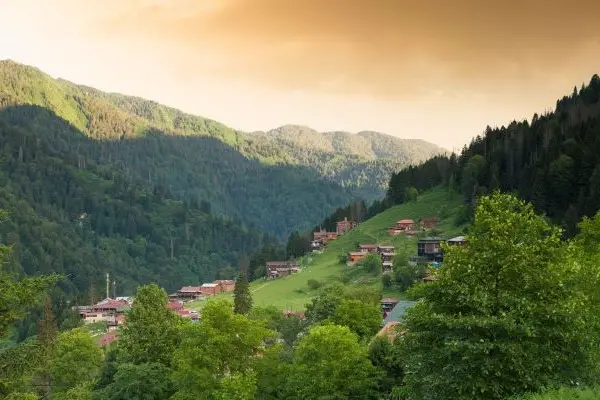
(552, 161)
(266, 180)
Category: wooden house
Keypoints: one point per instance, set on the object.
(344, 226)
(426, 223)
(190, 292)
(368, 248)
(405, 225)
(387, 261)
(430, 248)
(226, 286)
(277, 269)
(210, 289)
(356, 256)
(387, 304)
(457, 241)
(324, 237)
(385, 248)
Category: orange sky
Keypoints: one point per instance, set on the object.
(434, 69)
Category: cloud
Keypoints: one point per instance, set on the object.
(382, 48)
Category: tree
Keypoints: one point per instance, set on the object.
(77, 360)
(47, 335)
(330, 363)
(150, 334)
(297, 245)
(506, 304)
(362, 318)
(387, 357)
(242, 299)
(222, 346)
(372, 263)
(147, 381)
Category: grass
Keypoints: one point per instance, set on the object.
(293, 292)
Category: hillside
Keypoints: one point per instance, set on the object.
(292, 292)
(552, 161)
(275, 185)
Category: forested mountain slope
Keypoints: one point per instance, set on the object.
(552, 161)
(276, 185)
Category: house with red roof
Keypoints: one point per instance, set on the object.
(189, 292)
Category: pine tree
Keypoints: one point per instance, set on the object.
(242, 300)
(47, 334)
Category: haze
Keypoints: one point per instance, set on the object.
(436, 70)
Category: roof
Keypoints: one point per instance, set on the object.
(405, 221)
(398, 311)
(386, 246)
(457, 239)
(389, 300)
(110, 304)
(367, 246)
(431, 239)
(225, 282)
(190, 289)
(210, 284)
(356, 253)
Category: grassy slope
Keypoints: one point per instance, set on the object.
(292, 292)
(565, 394)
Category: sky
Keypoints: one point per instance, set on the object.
(437, 70)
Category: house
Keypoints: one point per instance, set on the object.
(430, 248)
(276, 269)
(109, 305)
(457, 241)
(344, 226)
(210, 289)
(356, 256)
(387, 261)
(385, 248)
(368, 248)
(405, 225)
(426, 223)
(397, 313)
(226, 285)
(316, 245)
(189, 292)
(387, 304)
(323, 237)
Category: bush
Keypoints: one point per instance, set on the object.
(342, 259)
(314, 284)
(387, 281)
(406, 275)
(372, 263)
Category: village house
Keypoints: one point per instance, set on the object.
(387, 304)
(356, 256)
(385, 248)
(457, 241)
(430, 248)
(210, 289)
(405, 225)
(344, 226)
(427, 223)
(189, 292)
(387, 261)
(368, 248)
(277, 269)
(324, 237)
(226, 286)
(106, 310)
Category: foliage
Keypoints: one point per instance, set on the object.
(329, 362)
(314, 284)
(221, 346)
(564, 394)
(297, 245)
(478, 334)
(362, 318)
(372, 263)
(387, 357)
(242, 299)
(405, 274)
(146, 381)
(151, 333)
(77, 359)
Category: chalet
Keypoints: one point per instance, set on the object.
(226, 286)
(189, 292)
(398, 311)
(106, 310)
(356, 256)
(111, 306)
(276, 269)
(210, 289)
(430, 248)
(344, 226)
(368, 248)
(426, 223)
(457, 241)
(387, 261)
(323, 237)
(385, 248)
(405, 225)
(387, 304)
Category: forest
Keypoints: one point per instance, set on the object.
(515, 312)
(553, 161)
(263, 180)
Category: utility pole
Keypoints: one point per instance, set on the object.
(114, 289)
(107, 285)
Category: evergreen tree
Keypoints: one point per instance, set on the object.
(242, 300)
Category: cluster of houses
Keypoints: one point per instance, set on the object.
(386, 252)
(277, 269)
(410, 227)
(322, 236)
(205, 290)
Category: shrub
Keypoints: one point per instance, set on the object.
(314, 284)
